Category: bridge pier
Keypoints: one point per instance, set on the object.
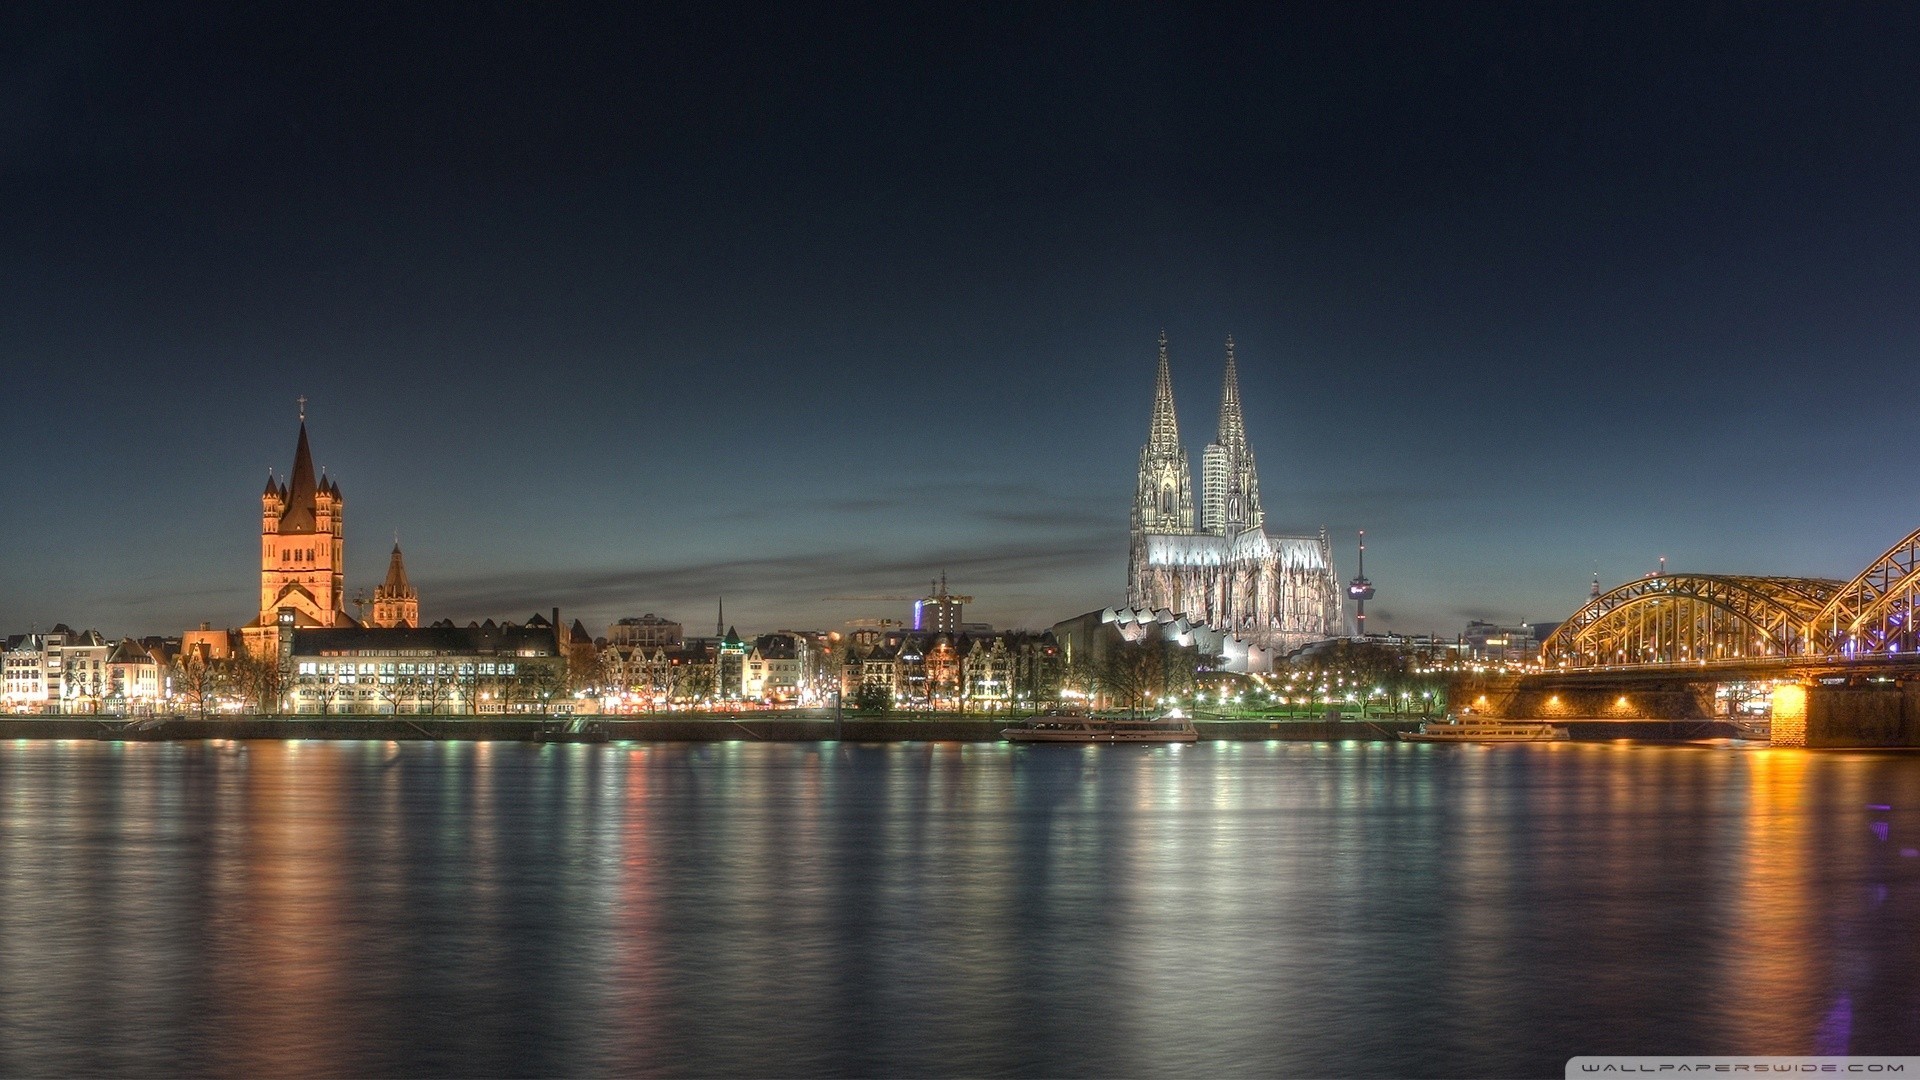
(1858, 713)
(1871, 715)
(1536, 697)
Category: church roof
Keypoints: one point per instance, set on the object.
(396, 585)
(438, 638)
(298, 516)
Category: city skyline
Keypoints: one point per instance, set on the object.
(684, 309)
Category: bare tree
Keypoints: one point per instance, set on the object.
(198, 681)
(257, 680)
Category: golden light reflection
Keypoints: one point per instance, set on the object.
(276, 888)
(1772, 980)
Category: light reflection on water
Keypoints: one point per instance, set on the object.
(380, 908)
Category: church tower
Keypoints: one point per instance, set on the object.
(395, 603)
(1163, 502)
(1230, 485)
(302, 553)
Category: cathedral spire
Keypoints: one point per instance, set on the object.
(1233, 428)
(1164, 436)
(1230, 485)
(1163, 503)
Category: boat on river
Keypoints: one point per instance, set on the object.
(1475, 729)
(571, 731)
(1174, 727)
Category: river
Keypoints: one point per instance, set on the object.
(755, 909)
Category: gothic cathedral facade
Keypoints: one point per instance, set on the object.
(1223, 570)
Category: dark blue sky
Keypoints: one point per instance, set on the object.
(617, 309)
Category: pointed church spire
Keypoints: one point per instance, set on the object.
(302, 481)
(397, 573)
(1164, 436)
(1163, 502)
(1230, 485)
(298, 517)
(1233, 428)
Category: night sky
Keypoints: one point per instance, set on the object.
(617, 309)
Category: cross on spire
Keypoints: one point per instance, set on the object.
(303, 408)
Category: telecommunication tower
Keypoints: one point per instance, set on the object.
(1360, 589)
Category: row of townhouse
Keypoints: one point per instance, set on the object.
(954, 671)
(63, 671)
(787, 667)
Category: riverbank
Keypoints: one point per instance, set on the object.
(894, 728)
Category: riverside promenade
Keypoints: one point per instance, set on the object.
(896, 727)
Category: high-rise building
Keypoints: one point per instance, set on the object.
(1228, 573)
(939, 611)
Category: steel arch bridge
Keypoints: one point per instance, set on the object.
(1717, 619)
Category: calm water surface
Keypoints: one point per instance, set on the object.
(260, 909)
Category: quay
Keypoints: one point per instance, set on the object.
(746, 728)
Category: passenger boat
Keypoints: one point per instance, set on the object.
(1174, 727)
(1480, 730)
(572, 731)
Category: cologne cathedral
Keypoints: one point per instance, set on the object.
(1223, 571)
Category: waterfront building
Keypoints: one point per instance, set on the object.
(82, 664)
(948, 671)
(27, 676)
(302, 552)
(395, 603)
(136, 678)
(647, 678)
(210, 644)
(649, 632)
(730, 667)
(776, 668)
(869, 664)
(478, 668)
(582, 655)
(61, 670)
(1224, 571)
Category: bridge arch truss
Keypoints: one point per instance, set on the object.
(1873, 613)
(1690, 618)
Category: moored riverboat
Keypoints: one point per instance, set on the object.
(1080, 728)
(1475, 729)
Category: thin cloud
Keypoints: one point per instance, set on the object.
(791, 584)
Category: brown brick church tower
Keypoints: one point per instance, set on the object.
(302, 553)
